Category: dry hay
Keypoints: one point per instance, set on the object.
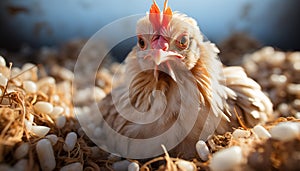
(17, 107)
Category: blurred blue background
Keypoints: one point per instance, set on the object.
(44, 22)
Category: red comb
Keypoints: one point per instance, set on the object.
(167, 15)
(154, 16)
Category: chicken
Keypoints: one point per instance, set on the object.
(176, 91)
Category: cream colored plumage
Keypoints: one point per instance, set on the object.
(155, 96)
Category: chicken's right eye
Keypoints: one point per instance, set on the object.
(142, 43)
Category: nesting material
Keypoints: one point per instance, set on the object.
(29, 107)
(175, 164)
(72, 167)
(45, 155)
(274, 153)
(238, 133)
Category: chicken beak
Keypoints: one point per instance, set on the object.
(160, 49)
(160, 56)
(163, 57)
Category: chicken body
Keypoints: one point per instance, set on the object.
(176, 86)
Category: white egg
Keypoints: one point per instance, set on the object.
(21, 151)
(45, 155)
(226, 159)
(57, 110)
(133, 166)
(60, 121)
(52, 138)
(185, 165)
(3, 80)
(261, 132)
(2, 61)
(70, 141)
(43, 107)
(40, 131)
(121, 165)
(285, 131)
(29, 87)
(202, 150)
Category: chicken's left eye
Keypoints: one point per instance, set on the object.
(182, 42)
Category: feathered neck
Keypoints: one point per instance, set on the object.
(144, 84)
(203, 77)
(210, 80)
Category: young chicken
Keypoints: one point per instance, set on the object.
(176, 86)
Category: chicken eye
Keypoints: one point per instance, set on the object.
(183, 42)
(141, 43)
